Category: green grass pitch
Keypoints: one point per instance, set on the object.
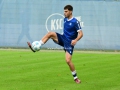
(47, 70)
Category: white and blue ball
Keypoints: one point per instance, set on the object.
(36, 46)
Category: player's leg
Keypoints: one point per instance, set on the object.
(68, 58)
(71, 66)
(49, 35)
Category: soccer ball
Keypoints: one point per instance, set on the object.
(36, 45)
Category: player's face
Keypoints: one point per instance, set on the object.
(67, 13)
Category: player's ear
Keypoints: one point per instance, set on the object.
(71, 12)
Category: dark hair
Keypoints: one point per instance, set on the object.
(69, 7)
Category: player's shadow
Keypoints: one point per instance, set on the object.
(1, 7)
(25, 19)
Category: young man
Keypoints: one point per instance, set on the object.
(72, 33)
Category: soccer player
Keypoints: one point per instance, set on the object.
(72, 33)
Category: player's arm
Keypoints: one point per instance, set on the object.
(80, 35)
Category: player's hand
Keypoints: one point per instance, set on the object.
(73, 42)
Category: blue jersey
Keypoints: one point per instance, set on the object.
(71, 28)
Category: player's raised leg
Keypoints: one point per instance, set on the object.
(49, 35)
(72, 67)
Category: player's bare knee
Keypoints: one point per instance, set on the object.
(50, 34)
(68, 61)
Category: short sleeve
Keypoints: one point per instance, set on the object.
(77, 26)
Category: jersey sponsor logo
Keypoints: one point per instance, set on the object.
(55, 21)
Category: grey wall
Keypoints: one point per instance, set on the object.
(30, 20)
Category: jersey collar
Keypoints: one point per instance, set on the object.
(69, 19)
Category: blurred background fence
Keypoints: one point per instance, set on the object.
(30, 20)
